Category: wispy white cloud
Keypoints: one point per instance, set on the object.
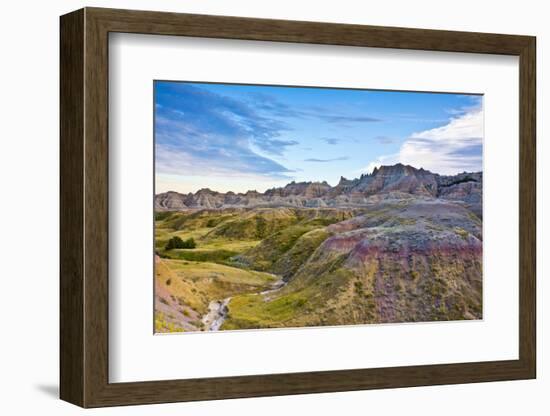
(202, 133)
(449, 149)
(335, 159)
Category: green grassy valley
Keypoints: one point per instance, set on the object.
(400, 258)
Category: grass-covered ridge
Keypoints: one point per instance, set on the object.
(397, 259)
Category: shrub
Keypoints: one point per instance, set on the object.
(177, 242)
(190, 243)
(174, 242)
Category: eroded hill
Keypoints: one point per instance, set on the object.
(408, 252)
(465, 187)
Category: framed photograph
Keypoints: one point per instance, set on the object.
(255, 207)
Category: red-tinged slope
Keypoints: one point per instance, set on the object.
(404, 260)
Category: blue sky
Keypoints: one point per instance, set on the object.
(240, 137)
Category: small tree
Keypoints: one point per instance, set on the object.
(177, 242)
(190, 243)
(174, 242)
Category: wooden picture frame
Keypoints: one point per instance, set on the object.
(84, 207)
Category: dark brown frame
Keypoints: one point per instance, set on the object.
(84, 207)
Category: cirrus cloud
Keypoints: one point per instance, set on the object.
(335, 159)
(454, 147)
(198, 132)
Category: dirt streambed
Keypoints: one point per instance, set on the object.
(218, 309)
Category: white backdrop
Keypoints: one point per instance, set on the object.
(29, 172)
(136, 355)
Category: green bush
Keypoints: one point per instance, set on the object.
(177, 242)
(190, 243)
